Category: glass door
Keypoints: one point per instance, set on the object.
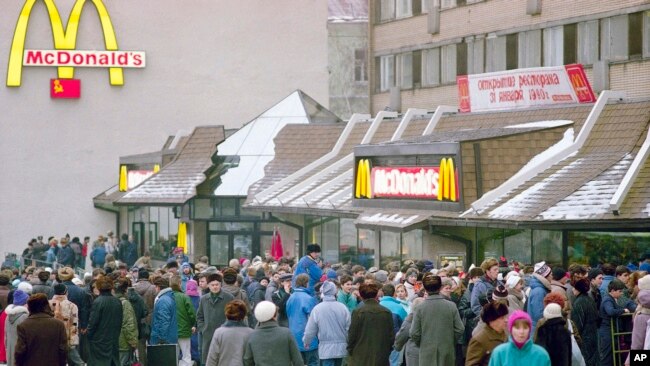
(219, 245)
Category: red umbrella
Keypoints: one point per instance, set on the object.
(276, 244)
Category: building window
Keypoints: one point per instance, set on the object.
(386, 10)
(405, 70)
(553, 46)
(360, 65)
(348, 241)
(635, 35)
(475, 55)
(593, 248)
(517, 245)
(614, 38)
(431, 67)
(448, 63)
(570, 48)
(368, 247)
(390, 248)
(403, 8)
(412, 244)
(646, 34)
(588, 42)
(548, 246)
(461, 59)
(512, 51)
(530, 49)
(495, 53)
(387, 72)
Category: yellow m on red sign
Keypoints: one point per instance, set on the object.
(64, 39)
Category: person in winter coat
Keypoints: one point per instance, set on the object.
(346, 295)
(98, 256)
(229, 340)
(610, 309)
(270, 344)
(50, 255)
(540, 285)
(211, 314)
(43, 287)
(516, 296)
(147, 291)
(584, 314)
(65, 256)
(371, 335)
(280, 298)
(436, 325)
(105, 325)
(41, 339)
(299, 306)
(66, 311)
(467, 315)
(595, 277)
(491, 268)
(309, 265)
(128, 340)
(329, 321)
(642, 315)
(186, 319)
(495, 316)
(128, 252)
(403, 338)
(192, 291)
(519, 347)
(16, 314)
(553, 335)
(164, 324)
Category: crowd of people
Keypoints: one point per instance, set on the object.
(268, 312)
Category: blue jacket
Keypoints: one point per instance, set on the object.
(164, 326)
(507, 354)
(610, 309)
(535, 302)
(310, 267)
(65, 256)
(98, 256)
(482, 286)
(394, 306)
(51, 256)
(299, 307)
(603, 286)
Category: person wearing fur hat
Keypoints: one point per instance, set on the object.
(584, 314)
(519, 346)
(553, 335)
(41, 339)
(329, 321)
(540, 285)
(211, 314)
(310, 265)
(270, 344)
(104, 325)
(495, 316)
(16, 314)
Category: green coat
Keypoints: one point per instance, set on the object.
(104, 328)
(436, 326)
(185, 315)
(129, 333)
(370, 337)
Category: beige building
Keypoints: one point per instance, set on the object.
(418, 47)
(207, 63)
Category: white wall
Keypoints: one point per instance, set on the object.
(208, 62)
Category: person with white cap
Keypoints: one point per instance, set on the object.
(270, 344)
(329, 321)
(553, 335)
(540, 285)
(516, 296)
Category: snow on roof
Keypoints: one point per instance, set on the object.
(543, 124)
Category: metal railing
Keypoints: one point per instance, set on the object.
(621, 333)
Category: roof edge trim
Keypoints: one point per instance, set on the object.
(433, 122)
(630, 176)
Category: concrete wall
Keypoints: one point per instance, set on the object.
(208, 62)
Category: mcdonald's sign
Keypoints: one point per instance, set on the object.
(423, 182)
(65, 56)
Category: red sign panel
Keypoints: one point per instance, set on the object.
(416, 182)
(65, 88)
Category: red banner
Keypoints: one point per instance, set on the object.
(65, 88)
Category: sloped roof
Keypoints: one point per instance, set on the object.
(176, 183)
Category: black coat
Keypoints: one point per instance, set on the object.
(104, 329)
(553, 335)
(585, 316)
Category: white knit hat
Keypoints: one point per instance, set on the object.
(265, 311)
(552, 310)
(25, 287)
(542, 269)
(512, 281)
(644, 282)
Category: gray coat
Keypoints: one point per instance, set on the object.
(211, 315)
(437, 322)
(15, 316)
(330, 322)
(403, 341)
(272, 345)
(228, 344)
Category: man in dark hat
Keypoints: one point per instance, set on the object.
(42, 340)
(43, 287)
(310, 265)
(65, 256)
(211, 314)
(105, 325)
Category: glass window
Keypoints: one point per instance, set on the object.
(230, 226)
(512, 51)
(403, 8)
(330, 241)
(431, 67)
(570, 49)
(390, 248)
(553, 46)
(490, 243)
(219, 249)
(530, 48)
(227, 206)
(646, 34)
(387, 10)
(588, 42)
(360, 65)
(446, 4)
(547, 247)
(448, 63)
(202, 208)
(387, 72)
(412, 245)
(592, 248)
(348, 241)
(495, 53)
(517, 245)
(613, 38)
(368, 247)
(635, 35)
(475, 55)
(405, 70)
(242, 246)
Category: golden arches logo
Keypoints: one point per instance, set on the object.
(447, 180)
(363, 188)
(64, 39)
